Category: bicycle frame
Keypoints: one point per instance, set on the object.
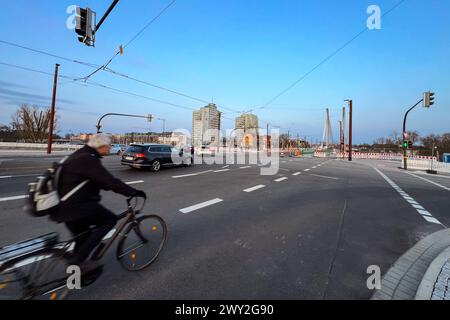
(130, 216)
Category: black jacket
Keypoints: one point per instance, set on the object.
(84, 165)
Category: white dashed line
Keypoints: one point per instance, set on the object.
(13, 198)
(306, 170)
(135, 182)
(224, 167)
(222, 170)
(6, 177)
(280, 179)
(297, 173)
(421, 210)
(200, 205)
(246, 167)
(254, 188)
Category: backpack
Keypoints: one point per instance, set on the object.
(43, 195)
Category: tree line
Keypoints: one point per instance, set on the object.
(28, 124)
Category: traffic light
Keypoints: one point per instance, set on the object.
(405, 144)
(410, 145)
(84, 24)
(428, 99)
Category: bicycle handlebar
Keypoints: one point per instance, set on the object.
(134, 208)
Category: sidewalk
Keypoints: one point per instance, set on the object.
(422, 273)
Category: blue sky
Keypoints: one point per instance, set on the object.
(240, 54)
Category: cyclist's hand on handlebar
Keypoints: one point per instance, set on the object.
(140, 194)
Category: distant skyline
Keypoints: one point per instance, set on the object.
(239, 54)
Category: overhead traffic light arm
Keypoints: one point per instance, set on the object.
(110, 9)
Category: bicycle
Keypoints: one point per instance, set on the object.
(37, 268)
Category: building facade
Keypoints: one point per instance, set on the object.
(247, 131)
(206, 124)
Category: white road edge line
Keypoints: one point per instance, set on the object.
(423, 213)
(246, 167)
(222, 170)
(254, 188)
(306, 170)
(200, 205)
(297, 173)
(280, 179)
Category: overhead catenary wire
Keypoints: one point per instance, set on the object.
(323, 61)
(97, 85)
(105, 65)
(107, 69)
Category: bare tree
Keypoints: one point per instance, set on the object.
(414, 136)
(32, 123)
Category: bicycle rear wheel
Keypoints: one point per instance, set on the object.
(142, 242)
(38, 275)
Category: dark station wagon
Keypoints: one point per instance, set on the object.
(154, 156)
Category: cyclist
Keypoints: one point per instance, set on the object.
(82, 212)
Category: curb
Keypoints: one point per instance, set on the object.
(404, 278)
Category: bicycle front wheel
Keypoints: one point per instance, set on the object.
(142, 243)
(38, 275)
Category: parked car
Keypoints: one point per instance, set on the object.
(154, 156)
(118, 149)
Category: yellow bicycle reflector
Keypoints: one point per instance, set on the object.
(154, 228)
(53, 296)
(133, 256)
(3, 286)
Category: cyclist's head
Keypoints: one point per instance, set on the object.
(100, 142)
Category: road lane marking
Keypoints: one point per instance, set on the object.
(296, 174)
(135, 182)
(191, 174)
(222, 170)
(315, 167)
(429, 181)
(254, 188)
(280, 179)
(246, 167)
(13, 198)
(422, 211)
(200, 205)
(224, 167)
(326, 177)
(20, 176)
(306, 170)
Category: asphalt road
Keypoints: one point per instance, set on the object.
(310, 232)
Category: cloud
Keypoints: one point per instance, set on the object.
(12, 85)
(18, 97)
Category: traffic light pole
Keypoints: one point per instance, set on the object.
(99, 125)
(52, 115)
(405, 148)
